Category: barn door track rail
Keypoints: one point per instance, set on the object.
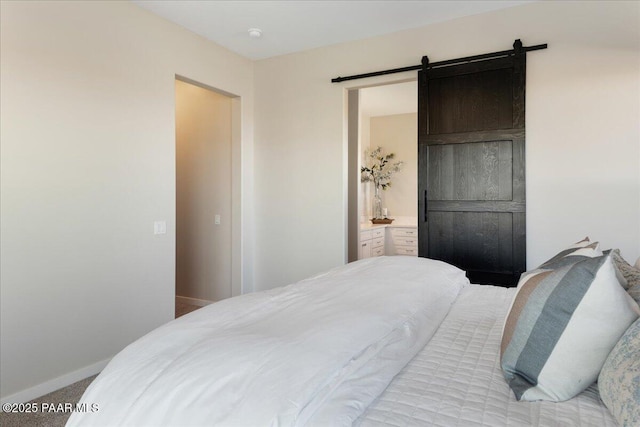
(517, 49)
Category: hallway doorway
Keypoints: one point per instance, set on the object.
(204, 137)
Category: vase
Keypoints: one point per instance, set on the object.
(376, 212)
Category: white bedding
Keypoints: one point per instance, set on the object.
(456, 379)
(314, 353)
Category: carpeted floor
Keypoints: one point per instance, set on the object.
(55, 415)
(182, 309)
(46, 418)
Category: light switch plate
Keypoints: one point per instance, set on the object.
(160, 227)
(216, 219)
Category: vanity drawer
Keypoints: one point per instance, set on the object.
(404, 250)
(404, 232)
(378, 251)
(378, 242)
(366, 235)
(405, 241)
(377, 232)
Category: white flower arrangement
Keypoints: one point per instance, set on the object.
(379, 168)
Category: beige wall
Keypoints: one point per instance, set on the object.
(365, 188)
(87, 159)
(87, 166)
(203, 190)
(583, 149)
(398, 134)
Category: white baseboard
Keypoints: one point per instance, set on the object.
(193, 301)
(75, 376)
(55, 384)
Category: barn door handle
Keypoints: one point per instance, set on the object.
(426, 215)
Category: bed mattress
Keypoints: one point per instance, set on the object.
(456, 380)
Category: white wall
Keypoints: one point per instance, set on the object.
(203, 190)
(398, 134)
(87, 166)
(583, 139)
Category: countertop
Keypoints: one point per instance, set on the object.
(398, 222)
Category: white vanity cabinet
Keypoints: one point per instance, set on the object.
(371, 243)
(402, 241)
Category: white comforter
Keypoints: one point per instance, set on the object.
(314, 353)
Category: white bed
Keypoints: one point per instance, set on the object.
(456, 379)
(399, 341)
(314, 353)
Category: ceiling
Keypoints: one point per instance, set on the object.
(293, 26)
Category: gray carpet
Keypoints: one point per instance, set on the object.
(69, 394)
(182, 309)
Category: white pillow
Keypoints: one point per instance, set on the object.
(564, 320)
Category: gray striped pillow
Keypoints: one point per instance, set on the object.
(572, 255)
(563, 323)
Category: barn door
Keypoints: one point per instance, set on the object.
(471, 167)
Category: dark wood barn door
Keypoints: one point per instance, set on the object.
(471, 167)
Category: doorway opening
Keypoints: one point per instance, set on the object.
(381, 116)
(206, 221)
